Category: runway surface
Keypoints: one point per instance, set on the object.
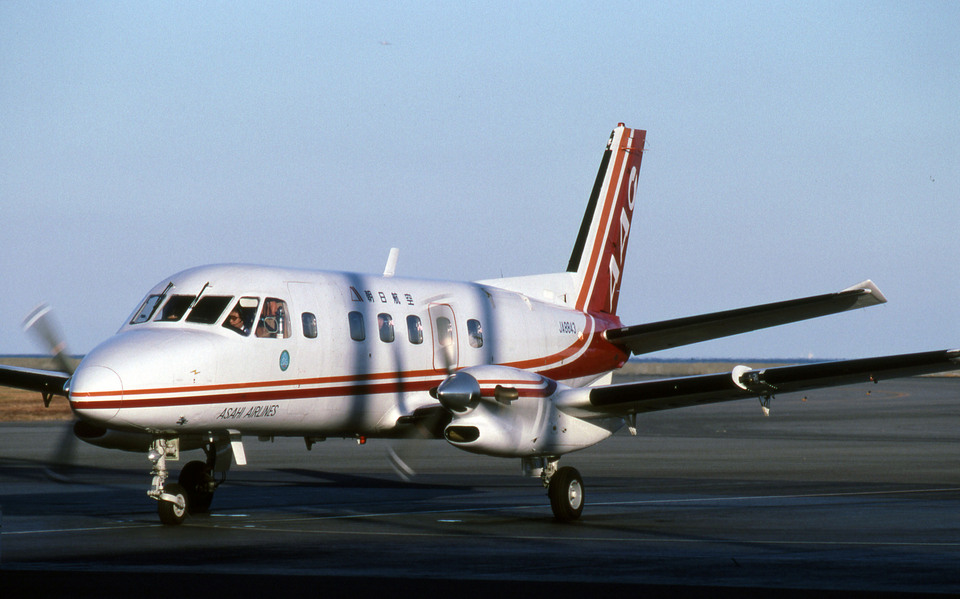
(848, 489)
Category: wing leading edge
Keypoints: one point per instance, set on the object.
(47, 382)
(744, 383)
(656, 336)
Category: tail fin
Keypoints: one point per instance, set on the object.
(601, 248)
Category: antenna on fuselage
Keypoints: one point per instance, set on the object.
(391, 267)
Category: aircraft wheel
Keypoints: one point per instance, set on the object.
(195, 479)
(566, 494)
(170, 513)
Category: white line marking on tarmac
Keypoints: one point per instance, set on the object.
(79, 529)
(258, 524)
(688, 500)
(605, 539)
(767, 497)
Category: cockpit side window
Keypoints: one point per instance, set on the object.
(242, 316)
(175, 307)
(274, 322)
(309, 321)
(147, 309)
(209, 309)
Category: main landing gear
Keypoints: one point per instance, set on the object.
(564, 486)
(193, 491)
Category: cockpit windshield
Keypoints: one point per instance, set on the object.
(242, 318)
(209, 309)
(175, 308)
(206, 310)
(147, 309)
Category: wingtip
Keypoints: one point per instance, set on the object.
(869, 287)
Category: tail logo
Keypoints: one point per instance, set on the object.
(599, 254)
(616, 259)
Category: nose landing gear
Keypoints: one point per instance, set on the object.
(172, 500)
(193, 491)
(172, 511)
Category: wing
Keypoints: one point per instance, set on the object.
(742, 383)
(47, 382)
(646, 338)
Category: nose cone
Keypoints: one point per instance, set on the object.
(96, 392)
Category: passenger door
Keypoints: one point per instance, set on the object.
(443, 324)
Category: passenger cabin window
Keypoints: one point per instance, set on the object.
(273, 322)
(175, 307)
(475, 333)
(356, 326)
(242, 316)
(414, 329)
(147, 309)
(309, 325)
(385, 326)
(209, 309)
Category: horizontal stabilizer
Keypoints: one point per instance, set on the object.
(656, 336)
(743, 382)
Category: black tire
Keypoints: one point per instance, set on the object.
(170, 514)
(195, 479)
(566, 494)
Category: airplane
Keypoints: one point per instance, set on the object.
(515, 367)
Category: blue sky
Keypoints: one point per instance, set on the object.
(792, 150)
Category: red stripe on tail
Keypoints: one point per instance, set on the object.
(604, 240)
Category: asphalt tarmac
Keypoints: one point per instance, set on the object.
(841, 491)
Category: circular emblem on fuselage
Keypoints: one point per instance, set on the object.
(284, 360)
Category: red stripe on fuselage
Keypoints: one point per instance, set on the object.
(543, 388)
(358, 384)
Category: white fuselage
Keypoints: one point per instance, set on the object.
(314, 372)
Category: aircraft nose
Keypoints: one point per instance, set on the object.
(96, 392)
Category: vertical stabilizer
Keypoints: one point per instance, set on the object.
(601, 247)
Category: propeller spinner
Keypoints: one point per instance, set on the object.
(459, 392)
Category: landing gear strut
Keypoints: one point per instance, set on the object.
(172, 500)
(193, 491)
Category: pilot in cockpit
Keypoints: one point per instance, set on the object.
(241, 317)
(235, 321)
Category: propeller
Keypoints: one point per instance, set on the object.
(461, 395)
(399, 465)
(43, 326)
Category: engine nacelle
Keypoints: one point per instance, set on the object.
(517, 417)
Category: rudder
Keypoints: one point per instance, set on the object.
(601, 246)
